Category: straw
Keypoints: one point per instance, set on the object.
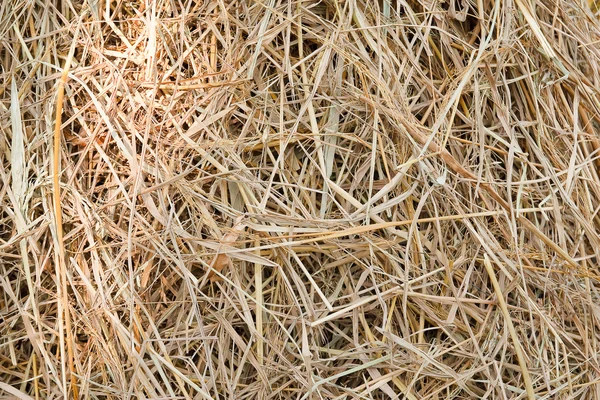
(312, 199)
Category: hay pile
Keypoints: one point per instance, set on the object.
(312, 199)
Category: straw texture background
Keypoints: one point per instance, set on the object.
(271, 199)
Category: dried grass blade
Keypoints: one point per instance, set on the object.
(511, 329)
(61, 267)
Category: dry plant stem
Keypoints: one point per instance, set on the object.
(511, 328)
(35, 381)
(258, 287)
(60, 261)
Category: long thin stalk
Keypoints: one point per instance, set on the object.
(511, 329)
(61, 268)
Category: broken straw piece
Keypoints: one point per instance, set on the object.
(222, 259)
